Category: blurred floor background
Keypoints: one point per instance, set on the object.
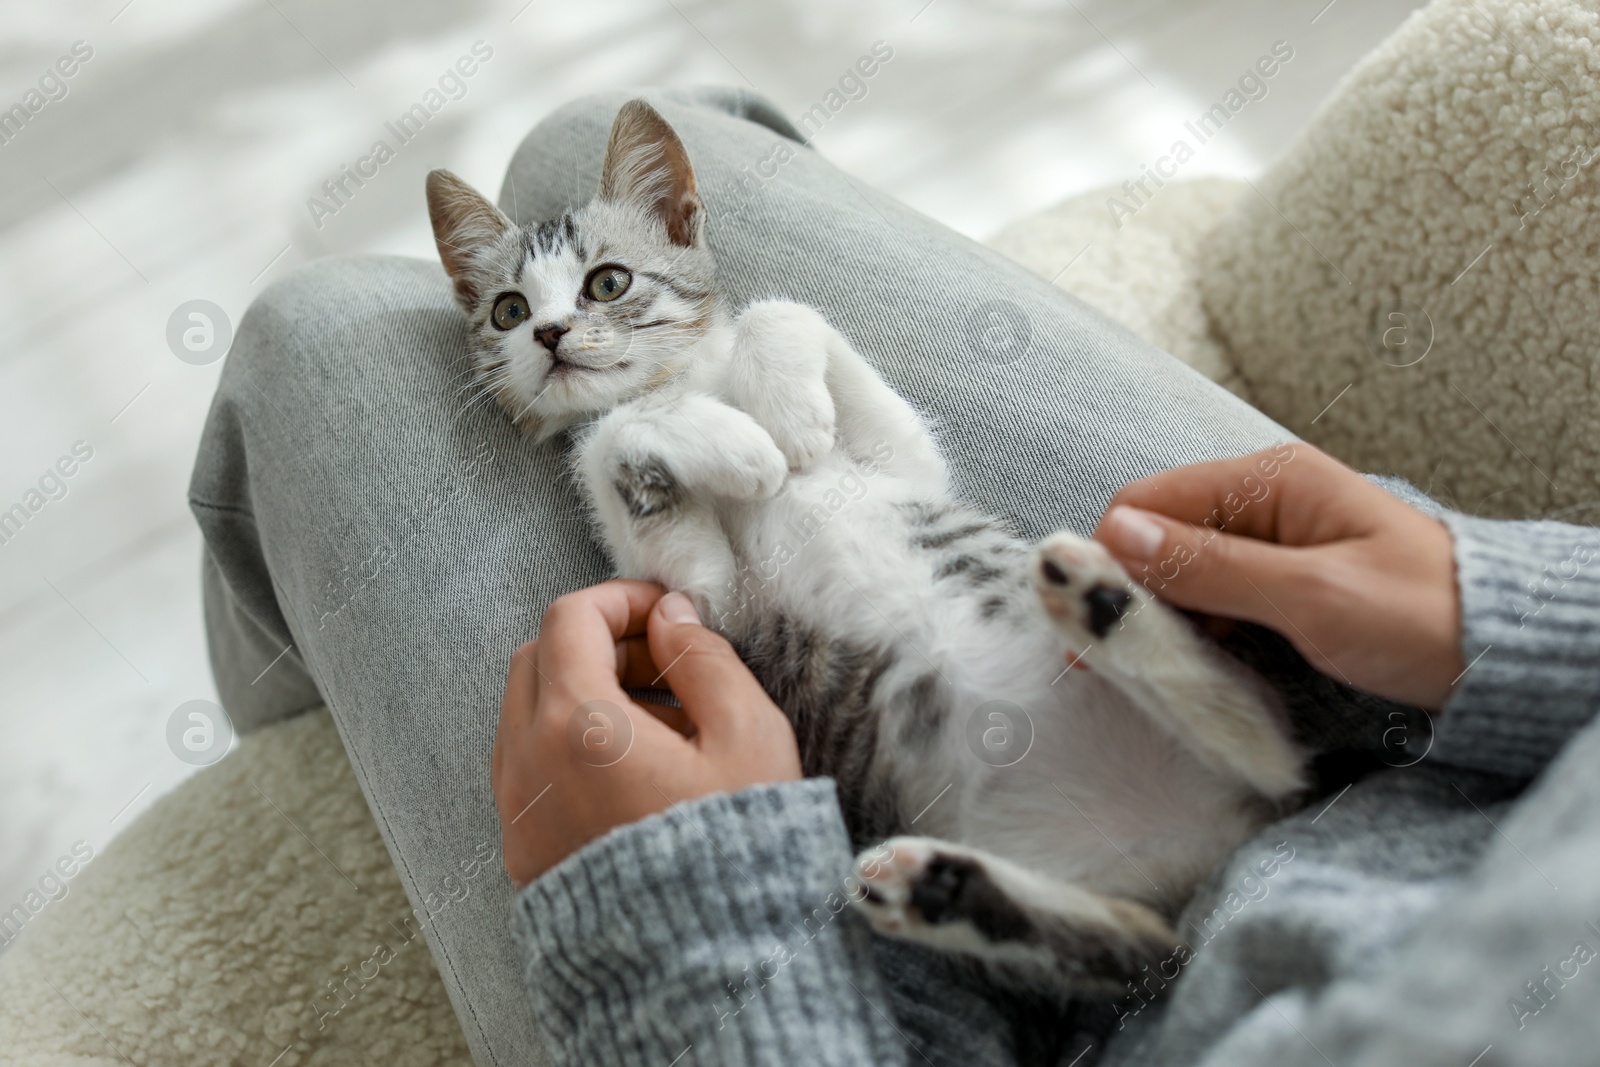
(179, 163)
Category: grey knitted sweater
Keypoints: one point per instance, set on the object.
(1439, 909)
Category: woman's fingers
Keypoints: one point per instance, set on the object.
(579, 635)
(1290, 493)
(1236, 492)
(700, 667)
(522, 675)
(1239, 537)
(1362, 583)
(569, 729)
(1196, 568)
(729, 709)
(635, 667)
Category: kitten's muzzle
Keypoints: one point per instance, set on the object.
(550, 336)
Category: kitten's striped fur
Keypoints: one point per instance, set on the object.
(762, 466)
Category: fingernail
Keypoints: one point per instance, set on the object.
(677, 608)
(1133, 532)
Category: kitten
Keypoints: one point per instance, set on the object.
(761, 465)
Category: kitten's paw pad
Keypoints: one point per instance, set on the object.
(890, 873)
(918, 886)
(1083, 589)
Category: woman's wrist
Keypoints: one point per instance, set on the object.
(689, 927)
(1530, 604)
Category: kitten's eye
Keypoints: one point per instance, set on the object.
(608, 283)
(510, 311)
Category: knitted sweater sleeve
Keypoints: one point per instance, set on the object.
(1530, 604)
(715, 933)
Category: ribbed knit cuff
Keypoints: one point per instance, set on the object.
(1530, 607)
(719, 926)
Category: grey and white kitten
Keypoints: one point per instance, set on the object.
(758, 463)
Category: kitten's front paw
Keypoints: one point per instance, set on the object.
(714, 449)
(803, 429)
(752, 469)
(780, 377)
(1083, 589)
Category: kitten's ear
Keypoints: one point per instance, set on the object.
(648, 165)
(463, 223)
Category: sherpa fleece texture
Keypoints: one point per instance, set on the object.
(208, 933)
(1453, 179)
(1441, 210)
(1142, 270)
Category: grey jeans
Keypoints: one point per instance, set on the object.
(401, 542)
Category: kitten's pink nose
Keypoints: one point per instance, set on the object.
(550, 336)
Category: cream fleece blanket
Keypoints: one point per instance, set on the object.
(1413, 286)
(210, 931)
(251, 917)
(1143, 272)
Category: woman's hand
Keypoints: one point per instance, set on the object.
(1362, 584)
(575, 757)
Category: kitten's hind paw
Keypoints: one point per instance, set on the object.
(1223, 713)
(1085, 592)
(1033, 929)
(925, 890)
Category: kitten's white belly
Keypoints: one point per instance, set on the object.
(1105, 799)
(1102, 798)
